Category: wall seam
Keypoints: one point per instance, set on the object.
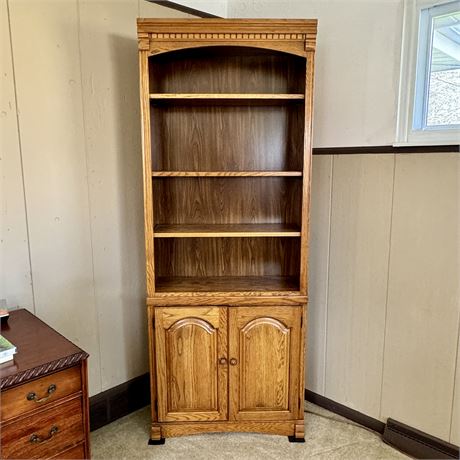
(85, 144)
(387, 286)
(456, 377)
(10, 33)
(326, 316)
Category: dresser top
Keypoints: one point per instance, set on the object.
(40, 350)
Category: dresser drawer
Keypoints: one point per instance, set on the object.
(44, 433)
(39, 393)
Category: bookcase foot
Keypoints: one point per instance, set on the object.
(299, 433)
(294, 439)
(156, 442)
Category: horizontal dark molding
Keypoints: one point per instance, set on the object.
(183, 8)
(403, 437)
(345, 411)
(110, 405)
(417, 443)
(388, 149)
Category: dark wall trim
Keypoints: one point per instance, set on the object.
(130, 396)
(183, 9)
(345, 411)
(417, 443)
(388, 149)
(403, 437)
(110, 405)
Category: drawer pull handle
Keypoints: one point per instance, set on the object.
(33, 397)
(36, 439)
(233, 361)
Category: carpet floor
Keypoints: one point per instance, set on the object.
(327, 435)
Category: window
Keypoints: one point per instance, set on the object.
(429, 93)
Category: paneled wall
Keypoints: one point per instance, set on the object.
(384, 274)
(71, 186)
(384, 287)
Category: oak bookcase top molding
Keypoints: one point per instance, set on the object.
(295, 36)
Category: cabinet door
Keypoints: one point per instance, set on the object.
(264, 360)
(191, 363)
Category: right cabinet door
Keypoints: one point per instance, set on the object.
(264, 362)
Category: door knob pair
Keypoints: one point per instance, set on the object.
(233, 361)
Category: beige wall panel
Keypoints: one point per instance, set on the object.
(356, 105)
(360, 233)
(318, 271)
(455, 426)
(109, 63)
(423, 293)
(47, 66)
(15, 277)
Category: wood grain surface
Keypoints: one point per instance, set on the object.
(227, 137)
(214, 257)
(227, 70)
(224, 230)
(230, 106)
(15, 401)
(192, 384)
(66, 417)
(226, 173)
(41, 349)
(240, 200)
(265, 343)
(169, 430)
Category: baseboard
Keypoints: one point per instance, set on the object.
(405, 438)
(345, 411)
(110, 405)
(416, 443)
(385, 149)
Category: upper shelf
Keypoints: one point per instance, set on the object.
(226, 173)
(226, 98)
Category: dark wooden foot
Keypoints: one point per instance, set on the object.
(294, 439)
(156, 442)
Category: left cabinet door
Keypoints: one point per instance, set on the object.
(191, 363)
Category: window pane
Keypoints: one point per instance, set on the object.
(444, 79)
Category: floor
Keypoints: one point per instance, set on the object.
(328, 436)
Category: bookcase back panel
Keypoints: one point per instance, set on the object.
(202, 257)
(227, 137)
(235, 200)
(227, 69)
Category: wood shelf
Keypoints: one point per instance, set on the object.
(226, 230)
(225, 284)
(226, 173)
(229, 98)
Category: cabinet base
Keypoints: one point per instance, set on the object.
(159, 431)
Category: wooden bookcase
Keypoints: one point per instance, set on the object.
(226, 123)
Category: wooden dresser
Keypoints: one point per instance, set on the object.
(44, 393)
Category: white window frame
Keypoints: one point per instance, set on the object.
(405, 133)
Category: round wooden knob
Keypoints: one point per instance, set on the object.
(223, 361)
(233, 361)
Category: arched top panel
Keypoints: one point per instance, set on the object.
(266, 321)
(227, 69)
(192, 322)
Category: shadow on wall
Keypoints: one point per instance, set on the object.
(124, 56)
